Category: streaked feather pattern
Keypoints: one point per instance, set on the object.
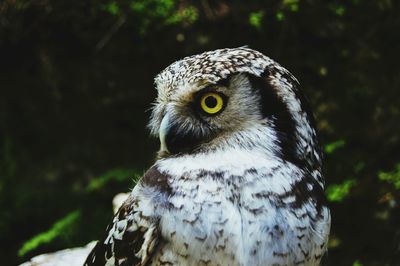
(241, 188)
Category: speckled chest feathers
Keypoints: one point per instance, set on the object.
(238, 178)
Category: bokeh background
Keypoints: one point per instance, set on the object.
(76, 81)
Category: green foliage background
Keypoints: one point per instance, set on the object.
(76, 79)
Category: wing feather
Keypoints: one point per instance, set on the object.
(130, 239)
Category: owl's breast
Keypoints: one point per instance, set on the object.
(238, 221)
(202, 226)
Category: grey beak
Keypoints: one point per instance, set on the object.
(164, 127)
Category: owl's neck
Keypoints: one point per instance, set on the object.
(263, 141)
(235, 159)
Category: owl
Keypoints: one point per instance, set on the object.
(238, 178)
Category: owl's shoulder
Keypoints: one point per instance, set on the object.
(133, 235)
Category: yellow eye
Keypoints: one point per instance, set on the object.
(211, 103)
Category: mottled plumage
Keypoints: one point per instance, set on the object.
(238, 178)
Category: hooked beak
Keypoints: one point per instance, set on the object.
(173, 140)
(164, 127)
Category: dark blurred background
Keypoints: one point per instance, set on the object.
(76, 79)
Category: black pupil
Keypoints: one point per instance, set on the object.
(210, 101)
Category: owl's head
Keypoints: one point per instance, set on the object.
(232, 98)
